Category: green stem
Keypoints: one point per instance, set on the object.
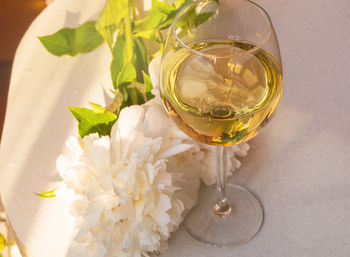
(133, 9)
(128, 35)
(161, 37)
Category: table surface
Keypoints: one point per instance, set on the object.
(298, 167)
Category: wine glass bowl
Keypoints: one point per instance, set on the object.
(221, 82)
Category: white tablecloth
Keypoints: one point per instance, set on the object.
(298, 166)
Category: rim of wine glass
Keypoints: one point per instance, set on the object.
(257, 47)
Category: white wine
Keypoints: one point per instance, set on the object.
(223, 95)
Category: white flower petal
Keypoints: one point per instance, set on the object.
(162, 218)
(156, 122)
(174, 150)
(62, 164)
(98, 150)
(74, 144)
(164, 202)
(129, 118)
(154, 68)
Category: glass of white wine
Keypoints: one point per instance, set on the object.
(221, 82)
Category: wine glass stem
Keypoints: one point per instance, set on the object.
(222, 208)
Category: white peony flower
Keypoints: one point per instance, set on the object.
(125, 200)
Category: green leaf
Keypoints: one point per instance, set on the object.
(135, 95)
(2, 242)
(152, 34)
(48, 194)
(117, 63)
(160, 15)
(71, 42)
(148, 86)
(203, 17)
(93, 122)
(140, 58)
(109, 20)
(127, 75)
(187, 19)
(97, 108)
(129, 42)
(179, 4)
(192, 20)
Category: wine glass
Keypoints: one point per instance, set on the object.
(221, 82)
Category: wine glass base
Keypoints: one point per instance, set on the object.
(241, 225)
